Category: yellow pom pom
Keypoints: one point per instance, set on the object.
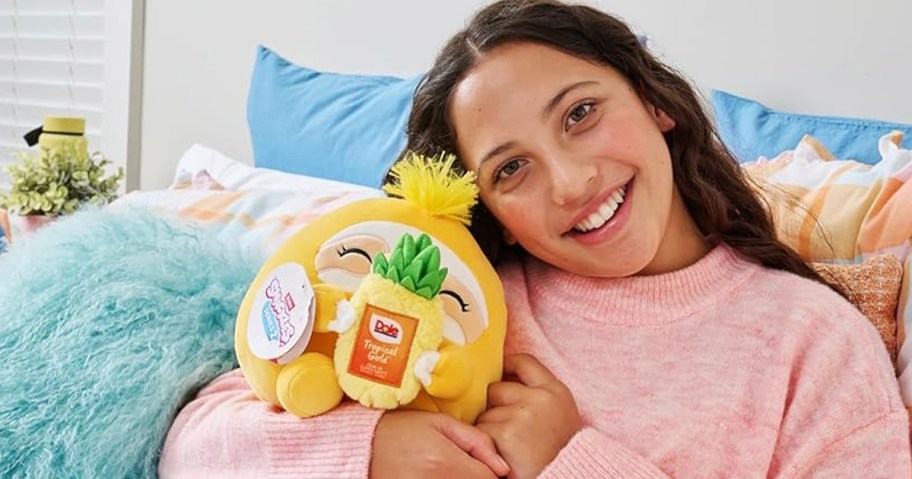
(432, 184)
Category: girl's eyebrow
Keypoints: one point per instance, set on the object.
(549, 108)
(496, 151)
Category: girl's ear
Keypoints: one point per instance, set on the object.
(663, 121)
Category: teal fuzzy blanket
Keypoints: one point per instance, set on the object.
(112, 320)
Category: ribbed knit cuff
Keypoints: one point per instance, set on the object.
(339, 446)
(591, 454)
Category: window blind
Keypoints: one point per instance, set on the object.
(52, 62)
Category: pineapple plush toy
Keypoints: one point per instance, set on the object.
(388, 301)
(399, 329)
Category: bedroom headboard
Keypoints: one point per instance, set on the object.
(814, 56)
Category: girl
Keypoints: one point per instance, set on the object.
(657, 327)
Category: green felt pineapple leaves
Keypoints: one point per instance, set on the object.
(414, 264)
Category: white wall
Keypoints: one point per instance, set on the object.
(843, 57)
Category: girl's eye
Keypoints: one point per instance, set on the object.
(509, 168)
(578, 114)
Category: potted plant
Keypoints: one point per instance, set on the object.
(58, 181)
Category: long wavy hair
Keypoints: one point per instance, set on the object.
(713, 186)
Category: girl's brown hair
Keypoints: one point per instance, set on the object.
(713, 186)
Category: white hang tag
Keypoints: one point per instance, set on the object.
(282, 317)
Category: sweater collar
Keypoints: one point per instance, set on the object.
(638, 300)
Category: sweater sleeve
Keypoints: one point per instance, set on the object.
(843, 416)
(877, 450)
(228, 432)
(592, 454)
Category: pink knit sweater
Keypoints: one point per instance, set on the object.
(723, 369)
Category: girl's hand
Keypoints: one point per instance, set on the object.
(530, 419)
(426, 444)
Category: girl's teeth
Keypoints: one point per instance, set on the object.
(605, 212)
(595, 219)
(585, 225)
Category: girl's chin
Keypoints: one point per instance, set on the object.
(605, 269)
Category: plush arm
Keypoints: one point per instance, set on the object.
(226, 432)
(333, 312)
(451, 375)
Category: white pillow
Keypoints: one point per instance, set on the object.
(199, 164)
(255, 207)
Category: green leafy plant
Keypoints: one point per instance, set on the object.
(58, 181)
(414, 264)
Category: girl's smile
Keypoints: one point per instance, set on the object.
(609, 214)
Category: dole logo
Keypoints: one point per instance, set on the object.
(386, 330)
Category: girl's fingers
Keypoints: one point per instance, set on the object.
(476, 443)
(529, 371)
(497, 415)
(505, 393)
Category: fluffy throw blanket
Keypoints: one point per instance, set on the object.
(112, 320)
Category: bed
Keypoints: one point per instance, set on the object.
(853, 176)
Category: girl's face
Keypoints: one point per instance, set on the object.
(573, 163)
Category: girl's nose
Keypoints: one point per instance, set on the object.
(571, 181)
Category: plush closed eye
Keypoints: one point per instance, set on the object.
(343, 251)
(462, 304)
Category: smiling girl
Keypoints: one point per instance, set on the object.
(657, 328)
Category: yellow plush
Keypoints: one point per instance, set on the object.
(388, 300)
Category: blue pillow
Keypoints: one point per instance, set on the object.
(751, 130)
(328, 125)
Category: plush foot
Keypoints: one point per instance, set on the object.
(308, 386)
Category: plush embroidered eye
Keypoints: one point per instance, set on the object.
(343, 251)
(462, 304)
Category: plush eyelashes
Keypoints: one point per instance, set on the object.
(351, 279)
(343, 251)
(462, 304)
(346, 258)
